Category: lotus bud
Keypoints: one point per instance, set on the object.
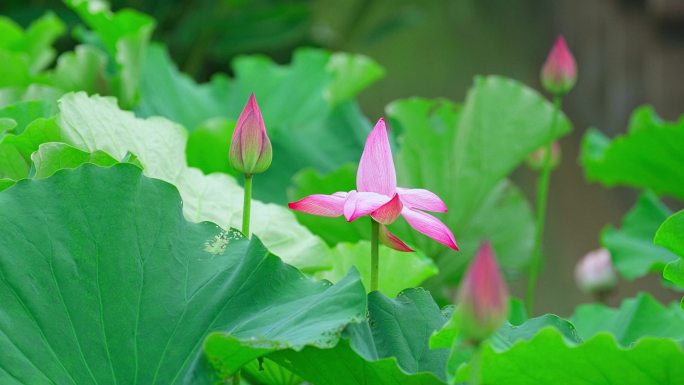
(595, 273)
(535, 160)
(482, 297)
(559, 73)
(250, 149)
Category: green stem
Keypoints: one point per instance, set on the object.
(375, 255)
(542, 198)
(475, 377)
(246, 215)
(246, 205)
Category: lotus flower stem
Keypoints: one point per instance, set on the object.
(475, 376)
(246, 205)
(542, 198)
(375, 254)
(246, 215)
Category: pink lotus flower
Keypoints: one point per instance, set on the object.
(250, 148)
(377, 195)
(483, 296)
(559, 73)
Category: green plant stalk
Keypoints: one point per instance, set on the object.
(475, 376)
(247, 205)
(246, 216)
(375, 254)
(542, 198)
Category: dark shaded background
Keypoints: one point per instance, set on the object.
(629, 52)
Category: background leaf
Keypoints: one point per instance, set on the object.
(125, 35)
(636, 318)
(648, 156)
(669, 235)
(24, 113)
(631, 247)
(398, 270)
(472, 149)
(308, 109)
(463, 351)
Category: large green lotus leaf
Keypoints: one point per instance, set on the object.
(638, 317)
(462, 351)
(648, 156)
(398, 270)
(549, 358)
(669, 235)
(54, 156)
(631, 247)
(105, 282)
(390, 348)
(307, 106)
(267, 372)
(125, 35)
(96, 124)
(463, 154)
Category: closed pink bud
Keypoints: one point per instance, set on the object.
(536, 160)
(559, 73)
(250, 149)
(482, 297)
(594, 273)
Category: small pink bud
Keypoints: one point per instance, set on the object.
(559, 73)
(483, 296)
(535, 160)
(250, 149)
(595, 273)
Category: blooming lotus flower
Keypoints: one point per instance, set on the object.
(377, 195)
(595, 273)
(250, 148)
(559, 73)
(482, 297)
